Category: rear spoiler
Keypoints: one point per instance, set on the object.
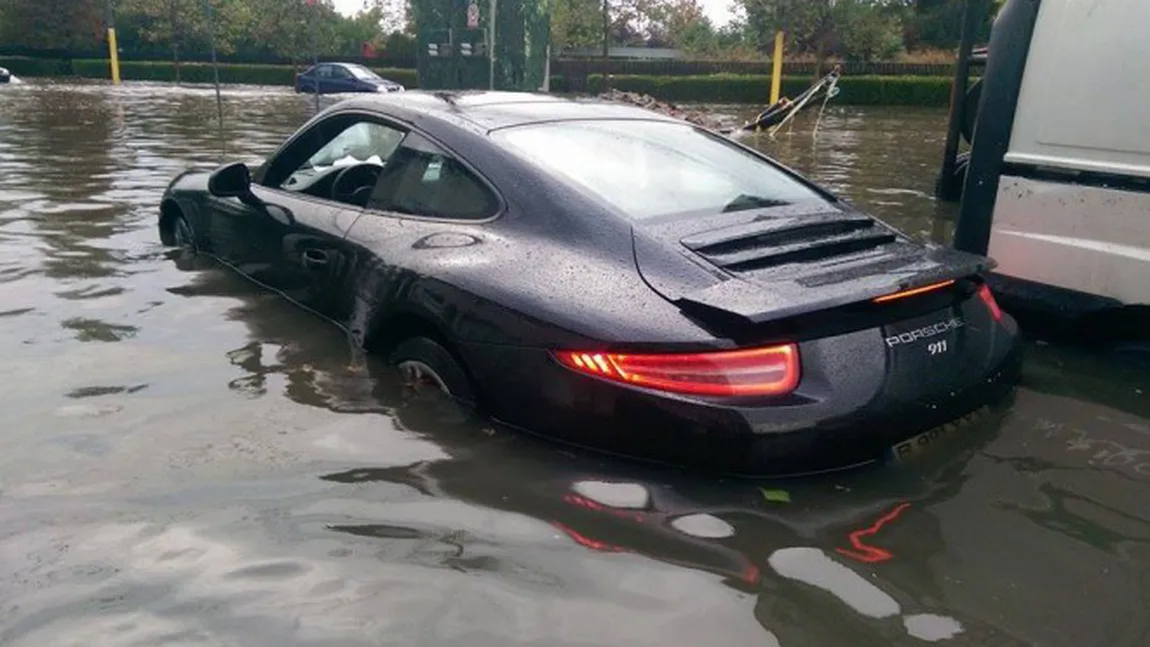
(756, 303)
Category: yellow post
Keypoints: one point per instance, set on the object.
(114, 53)
(777, 69)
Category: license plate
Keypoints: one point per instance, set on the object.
(928, 440)
(923, 443)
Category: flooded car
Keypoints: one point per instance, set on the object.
(5, 75)
(334, 78)
(612, 278)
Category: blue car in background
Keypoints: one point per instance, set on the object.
(333, 78)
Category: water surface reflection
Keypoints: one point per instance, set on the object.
(188, 460)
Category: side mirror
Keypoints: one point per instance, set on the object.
(233, 181)
(230, 181)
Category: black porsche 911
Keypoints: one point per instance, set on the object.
(610, 277)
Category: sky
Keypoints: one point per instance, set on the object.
(717, 10)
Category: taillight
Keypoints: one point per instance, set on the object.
(772, 370)
(913, 291)
(987, 297)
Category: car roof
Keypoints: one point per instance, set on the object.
(490, 110)
(338, 64)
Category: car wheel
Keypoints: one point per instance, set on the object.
(183, 240)
(427, 366)
(182, 234)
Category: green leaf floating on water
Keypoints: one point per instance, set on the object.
(778, 496)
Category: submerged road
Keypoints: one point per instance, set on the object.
(185, 460)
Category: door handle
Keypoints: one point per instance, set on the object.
(315, 259)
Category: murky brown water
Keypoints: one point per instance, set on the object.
(185, 460)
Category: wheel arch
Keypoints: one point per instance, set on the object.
(389, 331)
(170, 209)
(393, 329)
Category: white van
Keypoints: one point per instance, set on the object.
(1058, 185)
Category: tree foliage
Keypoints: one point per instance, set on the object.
(281, 28)
(851, 29)
(51, 24)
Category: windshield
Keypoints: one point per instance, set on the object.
(361, 72)
(653, 169)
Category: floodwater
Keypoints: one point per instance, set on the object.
(186, 460)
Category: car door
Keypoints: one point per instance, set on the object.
(342, 80)
(306, 215)
(321, 76)
(427, 209)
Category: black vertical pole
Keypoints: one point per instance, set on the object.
(315, 44)
(216, 76)
(948, 185)
(606, 47)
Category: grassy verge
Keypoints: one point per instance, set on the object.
(755, 89)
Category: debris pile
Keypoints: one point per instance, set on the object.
(697, 117)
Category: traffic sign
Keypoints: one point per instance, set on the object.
(472, 16)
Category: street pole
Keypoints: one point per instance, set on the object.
(606, 47)
(315, 44)
(777, 69)
(113, 48)
(491, 49)
(216, 75)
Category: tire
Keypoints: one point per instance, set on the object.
(183, 237)
(185, 251)
(425, 363)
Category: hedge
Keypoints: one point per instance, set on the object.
(36, 66)
(710, 88)
(253, 74)
(755, 89)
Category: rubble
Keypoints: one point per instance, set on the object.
(697, 117)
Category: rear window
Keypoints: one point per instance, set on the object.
(652, 169)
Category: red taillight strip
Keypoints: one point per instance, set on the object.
(771, 370)
(987, 297)
(913, 291)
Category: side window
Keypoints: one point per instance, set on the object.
(338, 72)
(323, 71)
(422, 179)
(313, 162)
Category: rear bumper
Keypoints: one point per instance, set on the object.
(856, 423)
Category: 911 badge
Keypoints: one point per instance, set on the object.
(926, 332)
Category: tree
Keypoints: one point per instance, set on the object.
(938, 23)
(576, 24)
(76, 25)
(680, 23)
(809, 25)
(856, 29)
(866, 32)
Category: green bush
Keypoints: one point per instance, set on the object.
(755, 89)
(36, 66)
